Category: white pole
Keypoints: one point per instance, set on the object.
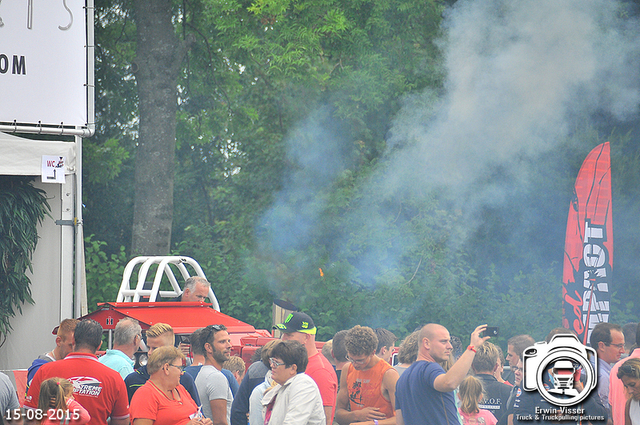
(81, 307)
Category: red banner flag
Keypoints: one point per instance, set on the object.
(588, 249)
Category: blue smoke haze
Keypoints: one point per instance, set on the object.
(519, 75)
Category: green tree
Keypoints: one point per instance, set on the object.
(274, 97)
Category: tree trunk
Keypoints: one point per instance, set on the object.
(159, 54)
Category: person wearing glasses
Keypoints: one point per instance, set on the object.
(507, 417)
(608, 341)
(527, 403)
(617, 394)
(162, 400)
(515, 347)
(158, 335)
(367, 383)
(296, 399)
(629, 373)
(213, 386)
(300, 327)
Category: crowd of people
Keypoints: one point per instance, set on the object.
(352, 380)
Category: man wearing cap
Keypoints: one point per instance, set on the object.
(300, 327)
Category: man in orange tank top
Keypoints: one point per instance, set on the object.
(367, 384)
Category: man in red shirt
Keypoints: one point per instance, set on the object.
(96, 387)
(300, 327)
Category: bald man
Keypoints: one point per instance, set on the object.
(424, 392)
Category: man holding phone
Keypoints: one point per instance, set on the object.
(424, 392)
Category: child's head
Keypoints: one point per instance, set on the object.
(54, 393)
(470, 393)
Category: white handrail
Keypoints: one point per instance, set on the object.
(127, 294)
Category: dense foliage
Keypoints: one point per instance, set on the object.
(284, 127)
(22, 209)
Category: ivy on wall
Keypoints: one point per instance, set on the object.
(22, 208)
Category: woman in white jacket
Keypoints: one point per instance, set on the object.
(295, 400)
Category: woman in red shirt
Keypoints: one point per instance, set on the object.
(162, 400)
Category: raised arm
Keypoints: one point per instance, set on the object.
(449, 381)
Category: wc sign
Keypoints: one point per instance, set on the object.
(53, 169)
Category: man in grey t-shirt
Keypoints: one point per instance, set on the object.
(8, 400)
(213, 387)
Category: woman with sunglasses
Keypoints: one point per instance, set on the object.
(295, 400)
(162, 400)
(629, 374)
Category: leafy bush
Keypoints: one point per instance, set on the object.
(104, 272)
(22, 208)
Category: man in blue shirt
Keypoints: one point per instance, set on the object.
(126, 339)
(424, 392)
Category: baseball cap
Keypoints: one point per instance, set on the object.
(297, 322)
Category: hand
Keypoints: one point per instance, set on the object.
(200, 421)
(369, 414)
(476, 339)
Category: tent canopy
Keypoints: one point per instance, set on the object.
(23, 157)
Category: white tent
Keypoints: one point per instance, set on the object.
(52, 281)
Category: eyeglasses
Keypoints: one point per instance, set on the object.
(217, 328)
(618, 346)
(211, 328)
(360, 361)
(177, 367)
(275, 363)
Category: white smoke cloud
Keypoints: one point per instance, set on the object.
(517, 73)
(518, 76)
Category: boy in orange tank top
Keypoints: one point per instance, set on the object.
(367, 383)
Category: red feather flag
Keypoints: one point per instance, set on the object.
(588, 249)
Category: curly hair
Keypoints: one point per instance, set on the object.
(235, 364)
(361, 340)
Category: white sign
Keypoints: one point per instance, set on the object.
(43, 62)
(53, 169)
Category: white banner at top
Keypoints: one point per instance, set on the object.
(43, 62)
